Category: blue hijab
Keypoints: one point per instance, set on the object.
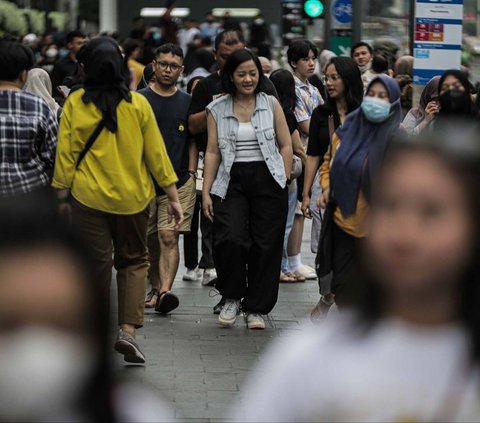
(362, 148)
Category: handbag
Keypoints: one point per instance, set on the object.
(324, 257)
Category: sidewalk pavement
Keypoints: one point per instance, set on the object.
(199, 367)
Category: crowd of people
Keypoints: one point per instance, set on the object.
(208, 137)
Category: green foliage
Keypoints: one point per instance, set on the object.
(18, 21)
(12, 19)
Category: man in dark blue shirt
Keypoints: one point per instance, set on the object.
(170, 107)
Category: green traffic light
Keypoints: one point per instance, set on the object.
(313, 8)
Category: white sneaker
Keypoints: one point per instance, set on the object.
(306, 272)
(255, 321)
(229, 312)
(209, 277)
(191, 275)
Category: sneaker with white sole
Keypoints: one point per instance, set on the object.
(305, 272)
(229, 312)
(255, 321)
(192, 274)
(127, 346)
(209, 277)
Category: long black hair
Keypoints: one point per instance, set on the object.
(284, 83)
(348, 70)
(460, 151)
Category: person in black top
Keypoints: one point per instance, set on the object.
(67, 66)
(170, 107)
(345, 93)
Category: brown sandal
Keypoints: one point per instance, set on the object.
(151, 298)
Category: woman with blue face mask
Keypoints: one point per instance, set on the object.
(349, 167)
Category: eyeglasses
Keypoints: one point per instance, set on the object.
(332, 78)
(164, 65)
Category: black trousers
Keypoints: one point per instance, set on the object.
(345, 258)
(248, 232)
(190, 240)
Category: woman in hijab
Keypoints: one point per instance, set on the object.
(404, 76)
(109, 147)
(418, 118)
(39, 83)
(454, 96)
(350, 166)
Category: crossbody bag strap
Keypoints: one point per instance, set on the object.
(90, 141)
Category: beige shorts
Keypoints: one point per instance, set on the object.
(158, 216)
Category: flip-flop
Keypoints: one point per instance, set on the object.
(286, 278)
(166, 302)
(298, 278)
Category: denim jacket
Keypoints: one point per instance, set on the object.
(263, 120)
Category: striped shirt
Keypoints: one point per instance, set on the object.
(247, 147)
(28, 140)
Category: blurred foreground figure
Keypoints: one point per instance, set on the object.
(54, 355)
(408, 348)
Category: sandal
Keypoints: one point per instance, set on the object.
(287, 278)
(320, 311)
(151, 298)
(298, 278)
(166, 302)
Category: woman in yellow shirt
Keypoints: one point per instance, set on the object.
(108, 192)
(349, 167)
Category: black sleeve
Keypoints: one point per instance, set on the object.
(319, 137)
(200, 98)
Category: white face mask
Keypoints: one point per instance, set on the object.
(42, 373)
(51, 52)
(365, 67)
(259, 21)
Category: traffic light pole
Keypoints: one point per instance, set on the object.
(328, 24)
(357, 21)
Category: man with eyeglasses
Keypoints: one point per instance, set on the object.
(170, 107)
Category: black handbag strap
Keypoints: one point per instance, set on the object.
(90, 141)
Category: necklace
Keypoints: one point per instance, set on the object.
(244, 107)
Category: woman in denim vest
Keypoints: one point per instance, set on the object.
(247, 167)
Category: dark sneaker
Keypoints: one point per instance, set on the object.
(218, 307)
(127, 346)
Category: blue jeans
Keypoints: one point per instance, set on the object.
(292, 206)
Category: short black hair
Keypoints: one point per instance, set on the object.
(15, 58)
(230, 37)
(169, 48)
(300, 49)
(233, 62)
(379, 63)
(361, 44)
(74, 34)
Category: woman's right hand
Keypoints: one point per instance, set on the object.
(207, 206)
(323, 199)
(431, 110)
